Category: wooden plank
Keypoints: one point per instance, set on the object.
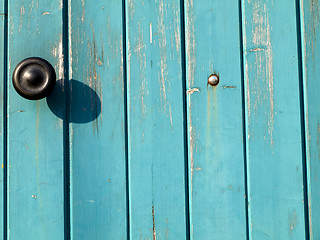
(155, 120)
(215, 125)
(273, 120)
(35, 136)
(97, 116)
(3, 69)
(310, 31)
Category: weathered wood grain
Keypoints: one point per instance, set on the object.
(310, 32)
(97, 117)
(3, 72)
(273, 120)
(155, 120)
(215, 121)
(35, 134)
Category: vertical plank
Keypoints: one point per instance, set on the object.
(155, 120)
(35, 135)
(97, 132)
(273, 120)
(310, 32)
(3, 69)
(215, 125)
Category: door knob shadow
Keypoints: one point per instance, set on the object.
(84, 102)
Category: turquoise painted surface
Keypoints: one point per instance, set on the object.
(155, 121)
(3, 69)
(215, 124)
(152, 150)
(273, 124)
(35, 134)
(97, 121)
(310, 31)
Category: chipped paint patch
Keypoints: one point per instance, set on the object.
(61, 57)
(228, 86)
(154, 233)
(150, 26)
(256, 50)
(164, 83)
(22, 12)
(311, 36)
(191, 91)
(263, 63)
(45, 13)
(177, 30)
(131, 8)
(292, 222)
(140, 50)
(191, 42)
(83, 11)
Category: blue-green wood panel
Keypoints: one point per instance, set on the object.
(310, 32)
(3, 74)
(35, 134)
(273, 120)
(215, 121)
(155, 120)
(97, 118)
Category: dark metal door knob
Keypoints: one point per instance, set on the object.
(34, 78)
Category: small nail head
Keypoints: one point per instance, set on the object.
(213, 80)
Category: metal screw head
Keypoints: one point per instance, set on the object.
(213, 80)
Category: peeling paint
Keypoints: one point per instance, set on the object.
(191, 42)
(229, 86)
(264, 62)
(256, 50)
(292, 222)
(83, 11)
(140, 51)
(191, 64)
(314, 13)
(150, 26)
(61, 57)
(177, 30)
(153, 225)
(164, 84)
(131, 8)
(22, 12)
(191, 91)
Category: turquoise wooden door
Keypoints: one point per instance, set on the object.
(135, 143)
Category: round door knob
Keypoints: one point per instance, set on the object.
(34, 78)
